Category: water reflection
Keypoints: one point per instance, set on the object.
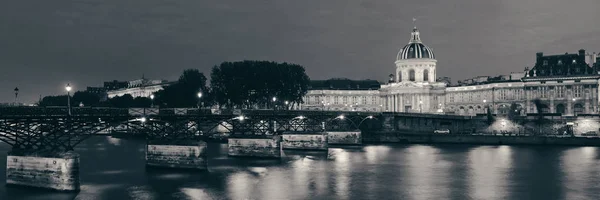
(369, 172)
(490, 167)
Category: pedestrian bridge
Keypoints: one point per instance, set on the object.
(43, 139)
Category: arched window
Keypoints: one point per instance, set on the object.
(425, 75)
(399, 76)
(411, 75)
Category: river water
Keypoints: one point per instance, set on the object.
(114, 169)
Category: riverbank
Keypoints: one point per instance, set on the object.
(408, 138)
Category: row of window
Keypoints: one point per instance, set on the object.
(411, 75)
(341, 100)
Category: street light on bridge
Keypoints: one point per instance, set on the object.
(68, 88)
(274, 104)
(200, 100)
(151, 101)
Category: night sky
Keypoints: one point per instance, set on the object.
(45, 44)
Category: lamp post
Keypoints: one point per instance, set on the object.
(420, 106)
(151, 101)
(200, 100)
(485, 105)
(274, 103)
(68, 88)
(16, 95)
(286, 104)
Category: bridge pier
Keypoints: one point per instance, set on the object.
(344, 137)
(181, 155)
(305, 141)
(58, 172)
(255, 147)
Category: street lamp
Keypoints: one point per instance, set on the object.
(286, 104)
(200, 99)
(420, 106)
(151, 101)
(274, 100)
(68, 88)
(16, 95)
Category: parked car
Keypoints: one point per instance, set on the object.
(590, 133)
(442, 131)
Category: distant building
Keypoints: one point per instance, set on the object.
(136, 88)
(342, 94)
(99, 91)
(565, 84)
(115, 85)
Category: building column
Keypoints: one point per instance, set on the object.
(587, 105)
(569, 105)
(527, 102)
(552, 105)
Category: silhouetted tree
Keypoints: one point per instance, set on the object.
(255, 83)
(86, 98)
(184, 93)
(125, 101)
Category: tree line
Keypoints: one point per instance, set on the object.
(243, 84)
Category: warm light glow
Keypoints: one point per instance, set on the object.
(484, 101)
(241, 118)
(68, 88)
(370, 117)
(341, 116)
(274, 98)
(420, 102)
(286, 102)
(152, 96)
(300, 117)
(574, 99)
(199, 94)
(143, 119)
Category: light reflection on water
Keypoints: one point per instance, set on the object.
(117, 171)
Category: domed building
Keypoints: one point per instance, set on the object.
(415, 61)
(561, 84)
(413, 86)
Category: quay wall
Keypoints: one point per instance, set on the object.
(396, 137)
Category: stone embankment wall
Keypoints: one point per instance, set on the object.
(182, 156)
(58, 173)
(395, 137)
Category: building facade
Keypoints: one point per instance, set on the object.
(565, 84)
(136, 88)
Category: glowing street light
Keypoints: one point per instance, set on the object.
(68, 88)
(274, 99)
(151, 101)
(200, 102)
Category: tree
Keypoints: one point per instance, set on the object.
(254, 84)
(125, 101)
(184, 93)
(86, 98)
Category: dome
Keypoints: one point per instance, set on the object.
(415, 48)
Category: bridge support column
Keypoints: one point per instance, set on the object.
(346, 137)
(59, 172)
(187, 155)
(305, 141)
(255, 147)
